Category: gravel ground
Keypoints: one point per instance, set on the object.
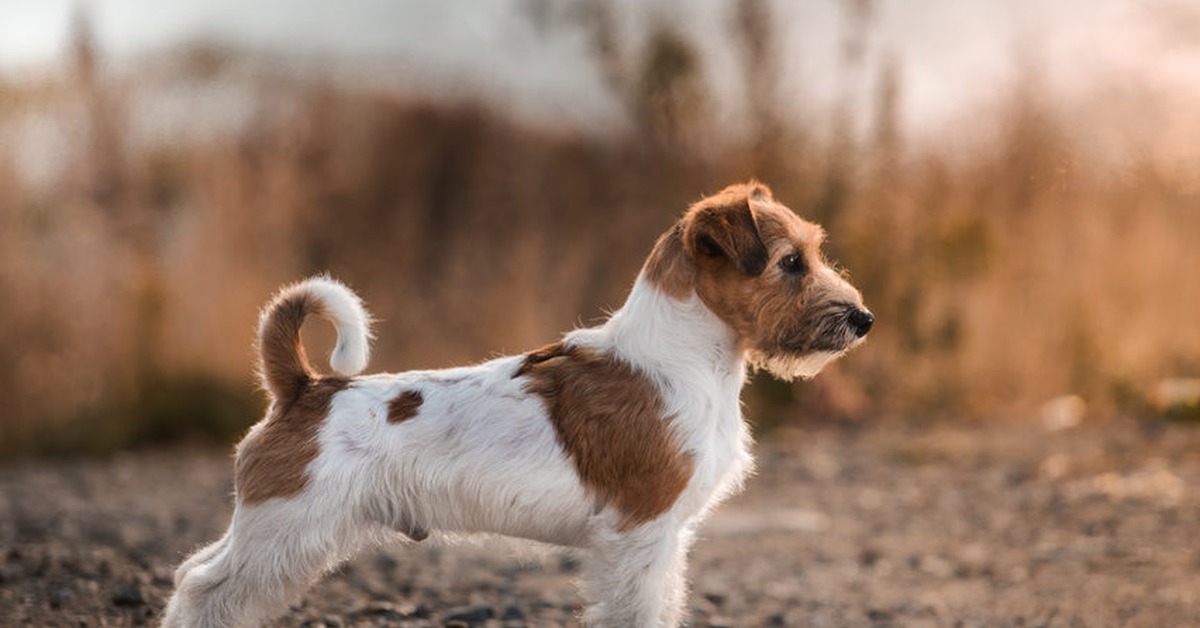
(998, 526)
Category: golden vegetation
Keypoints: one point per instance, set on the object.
(1027, 267)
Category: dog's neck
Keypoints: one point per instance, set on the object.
(669, 337)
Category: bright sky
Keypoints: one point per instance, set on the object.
(953, 53)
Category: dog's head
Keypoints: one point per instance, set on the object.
(759, 268)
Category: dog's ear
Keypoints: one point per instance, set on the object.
(760, 192)
(723, 226)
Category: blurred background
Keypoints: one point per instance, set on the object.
(1014, 185)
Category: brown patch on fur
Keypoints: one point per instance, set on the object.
(283, 362)
(776, 311)
(719, 226)
(404, 406)
(726, 248)
(609, 419)
(272, 461)
(668, 267)
(723, 225)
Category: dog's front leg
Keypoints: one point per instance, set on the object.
(636, 578)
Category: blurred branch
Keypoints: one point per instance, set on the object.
(670, 101)
(753, 24)
(102, 164)
(598, 21)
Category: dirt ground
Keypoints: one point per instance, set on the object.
(1097, 525)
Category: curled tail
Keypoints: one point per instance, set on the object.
(283, 364)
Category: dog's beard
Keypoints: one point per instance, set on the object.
(789, 366)
(793, 356)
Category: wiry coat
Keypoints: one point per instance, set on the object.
(617, 439)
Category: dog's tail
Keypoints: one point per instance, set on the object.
(283, 365)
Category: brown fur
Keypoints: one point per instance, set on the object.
(610, 421)
(404, 406)
(285, 368)
(272, 460)
(723, 226)
(668, 267)
(726, 249)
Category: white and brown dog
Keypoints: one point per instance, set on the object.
(617, 439)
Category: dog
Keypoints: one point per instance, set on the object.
(617, 439)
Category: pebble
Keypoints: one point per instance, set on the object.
(388, 610)
(60, 597)
(126, 595)
(469, 616)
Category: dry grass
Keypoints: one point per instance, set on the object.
(1001, 276)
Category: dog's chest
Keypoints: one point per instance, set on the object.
(719, 443)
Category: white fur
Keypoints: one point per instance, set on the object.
(345, 311)
(481, 456)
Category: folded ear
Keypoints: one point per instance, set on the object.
(723, 226)
(760, 192)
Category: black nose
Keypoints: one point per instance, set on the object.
(861, 321)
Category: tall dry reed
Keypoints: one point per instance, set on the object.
(1001, 277)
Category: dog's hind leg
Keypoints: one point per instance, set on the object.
(271, 553)
(199, 557)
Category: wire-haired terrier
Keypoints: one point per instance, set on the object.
(616, 439)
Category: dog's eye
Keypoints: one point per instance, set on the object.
(792, 263)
